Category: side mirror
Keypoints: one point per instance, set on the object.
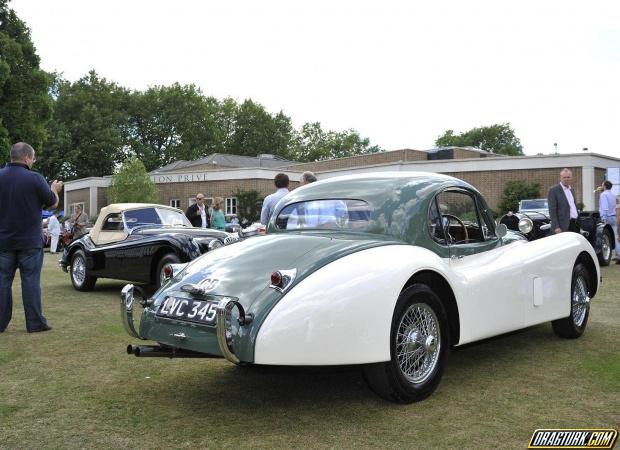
(501, 230)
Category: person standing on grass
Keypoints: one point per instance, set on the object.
(217, 215)
(198, 213)
(53, 226)
(562, 206)
(79, 222)
(307, 178)
(22, 194)
(607, 211)
(281, 181)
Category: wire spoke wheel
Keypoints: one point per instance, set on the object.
(78, 270)
(419, 339)
(574, 324)
(81, 279)
(418, 343)
(580, 300)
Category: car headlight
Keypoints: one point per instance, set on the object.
(215, 243)
(525, 225)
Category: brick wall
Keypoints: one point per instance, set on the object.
(491, 183)
(102, 197)
(224, 189)
(79, 196)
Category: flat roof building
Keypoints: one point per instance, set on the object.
(223, 175)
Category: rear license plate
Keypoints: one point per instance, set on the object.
(199, 311)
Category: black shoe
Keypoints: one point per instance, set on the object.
(45, 328)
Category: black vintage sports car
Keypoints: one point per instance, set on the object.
(533, 220)
(137, 242)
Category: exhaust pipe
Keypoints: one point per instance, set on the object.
(159, 351)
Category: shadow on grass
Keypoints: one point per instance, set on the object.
(266, 387)
(244, 389)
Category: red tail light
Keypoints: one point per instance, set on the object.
(276, 278)
(167, 271)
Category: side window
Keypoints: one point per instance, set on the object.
(139, 217)
(488, 224)
(113, 222)
(459, 217)
(435, 226)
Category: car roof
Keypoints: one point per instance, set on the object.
(375, 185)
(121, 207)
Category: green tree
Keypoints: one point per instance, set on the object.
(499, 138)
(25, 106)
(311, 143)
(514, 191)
(92, 120)
(257, 132)
(249, 204)
(53, 158)
(170, 123)
(132, 184)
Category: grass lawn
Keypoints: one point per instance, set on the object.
(75, 387)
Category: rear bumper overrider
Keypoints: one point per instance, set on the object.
(223, 328)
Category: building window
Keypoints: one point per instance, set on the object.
(175, 203)
(231, 205)
(73, 205)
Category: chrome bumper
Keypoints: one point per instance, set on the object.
(127, 299)
(223, 324)
(223, 321)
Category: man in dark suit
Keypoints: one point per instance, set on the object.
(198, 213)
(562, 206)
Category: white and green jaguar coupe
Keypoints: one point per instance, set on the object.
(386, 271)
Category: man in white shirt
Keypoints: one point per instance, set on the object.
(53, 226)
(197, 213)
(281, 181)
(562, 206)
(607, 210)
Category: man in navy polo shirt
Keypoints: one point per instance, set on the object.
(22, 194)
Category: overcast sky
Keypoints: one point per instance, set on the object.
(399, 72)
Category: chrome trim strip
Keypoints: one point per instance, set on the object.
(126, 304)
(224, 309)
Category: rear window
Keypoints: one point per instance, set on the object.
(332, 214)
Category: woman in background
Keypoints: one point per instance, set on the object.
(217, 215)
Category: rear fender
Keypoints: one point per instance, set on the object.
(342, 313)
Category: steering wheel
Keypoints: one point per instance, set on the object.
(458, 221)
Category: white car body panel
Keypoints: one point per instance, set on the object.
(328, 319)
(342, 313)
(517, 285)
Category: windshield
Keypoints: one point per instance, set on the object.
(155, 216)
(340, 214)
(534, 204)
